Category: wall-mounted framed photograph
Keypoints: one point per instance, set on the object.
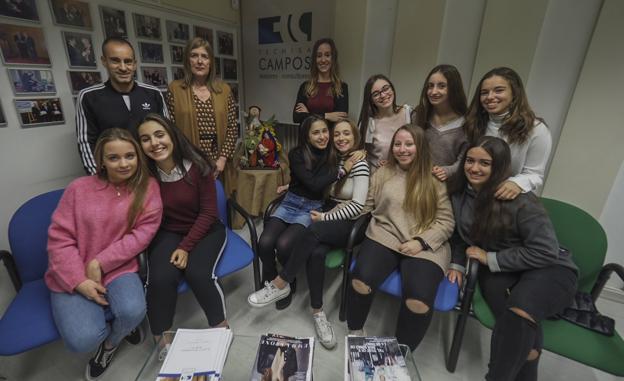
(225, 43)
(178, 72)
(155, 76)
(114, 22)
(151, 53)
(39, 112)
(205, 33)
(19, 9)
(217, 66)
(234, 87)
(79, 49)
(3, 121)
(32, 81)
(72, 13)
(147, 26)
(177, 54)
(79, 80)
(23, 45)
(178, 32)
(229, 69)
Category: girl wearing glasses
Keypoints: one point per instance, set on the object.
(380, 117)
(324, 94)
(500, 108)
(205, 109)
(441, 114)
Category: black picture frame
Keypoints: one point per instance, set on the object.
(177, 72)
(205, 33)
(151, 53)
(177, 54)
(71, 13)
(230, 70)
(81, 79)
(178, 32)
(23, 45)
(31, 81)
(155, 76)
(22, 10)
(147, 27)
(114, 22)
(36, 112)
(79, 50)
(225, 43)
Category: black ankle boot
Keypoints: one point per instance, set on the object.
(284, 303)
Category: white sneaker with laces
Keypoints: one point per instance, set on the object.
(267, 295)
(324, 330)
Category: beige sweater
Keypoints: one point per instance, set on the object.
(391, 225)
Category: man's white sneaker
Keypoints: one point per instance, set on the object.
(324, 330)
(267, 295)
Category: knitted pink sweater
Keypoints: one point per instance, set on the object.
(90, 222)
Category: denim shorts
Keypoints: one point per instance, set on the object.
(296, 209)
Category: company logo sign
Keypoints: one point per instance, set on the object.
(279, 29)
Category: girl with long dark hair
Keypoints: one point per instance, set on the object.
(191, 239)
(525, 278)
(324, 94)
(440, 113)
(500, 108)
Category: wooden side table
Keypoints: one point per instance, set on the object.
(256, 188)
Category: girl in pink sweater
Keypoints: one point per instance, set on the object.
(101, 224)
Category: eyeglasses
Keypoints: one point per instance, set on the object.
(382, 91)
(197, 57)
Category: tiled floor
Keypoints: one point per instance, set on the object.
(53, 362)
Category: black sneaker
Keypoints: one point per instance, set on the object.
(135, 337)
(284, 303)
(99, 362)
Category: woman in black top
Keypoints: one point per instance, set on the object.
(324, 94)
(525, 278)
(312, 169)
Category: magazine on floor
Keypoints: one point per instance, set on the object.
(196, 355)
(374, 359)
(283, 358)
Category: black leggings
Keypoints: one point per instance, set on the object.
(538, 292)
(164, 277)
(277, 241)
(312, 247)
(419, 280)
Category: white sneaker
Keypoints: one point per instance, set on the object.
(267, 295)
(324, 330)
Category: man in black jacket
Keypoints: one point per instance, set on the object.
(119, 102)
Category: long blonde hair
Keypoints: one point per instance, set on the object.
(421, 195)
(212, 82)
(138, 183)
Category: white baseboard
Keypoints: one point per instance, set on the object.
(613, 294)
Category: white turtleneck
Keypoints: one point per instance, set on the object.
(528, 160)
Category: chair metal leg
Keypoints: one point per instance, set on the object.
(343, 289)
(460, 326)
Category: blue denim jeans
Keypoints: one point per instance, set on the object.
(83, 324)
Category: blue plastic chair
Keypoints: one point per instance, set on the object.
(237, 253)
(447, 295)
(27, 322)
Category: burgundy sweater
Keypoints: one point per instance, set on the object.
(189, 209)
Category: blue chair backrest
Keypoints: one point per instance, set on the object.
(28, 234)
(221, 203)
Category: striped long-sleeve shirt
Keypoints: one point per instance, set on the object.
(100, 107)
(352, 196)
